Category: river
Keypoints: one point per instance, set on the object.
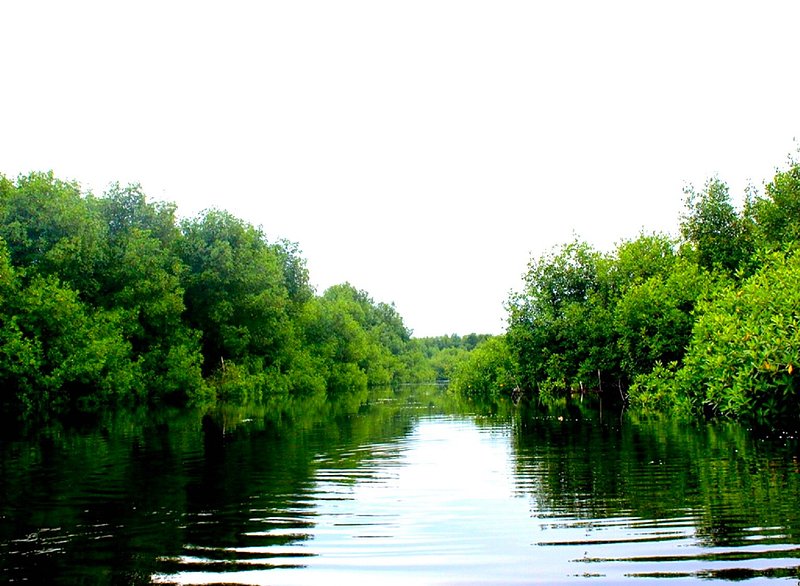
(409, 486)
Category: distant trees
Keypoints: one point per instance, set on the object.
(112, 298)
(445, 354)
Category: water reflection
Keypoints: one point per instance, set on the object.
(409, 486)
(663, 499)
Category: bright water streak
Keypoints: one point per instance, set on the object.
(398, 490)
(451, 503)
(438, 507)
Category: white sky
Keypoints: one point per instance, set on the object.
(422, 150)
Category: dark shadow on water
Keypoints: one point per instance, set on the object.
(117, 498)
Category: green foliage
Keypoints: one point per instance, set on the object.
(561, 327)
(142, 279)
(49, 227)
(710, 328)
(568, 274)
(295, 273)
(488, 371)
(661, 390)
(437, 343)
(110, 298)
(415, 366)
(125, 209)
(440, 356)
(446, 362)
(307, 373)
(57, 351)
(654, 318)
(635, 261)
(234, 291)
(719, 236)
(743, 358)
(742, 354)
(358, 342)
(233, 382)
(113, 254)
(777, 215)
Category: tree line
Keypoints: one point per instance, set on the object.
(702, 323)
(113, 298)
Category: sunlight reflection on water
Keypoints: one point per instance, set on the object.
(449, 504)
(394, 491)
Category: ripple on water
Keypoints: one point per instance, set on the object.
(433, 500)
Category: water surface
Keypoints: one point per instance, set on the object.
(399, 487)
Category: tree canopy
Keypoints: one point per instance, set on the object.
(111, 298)
(705, 323)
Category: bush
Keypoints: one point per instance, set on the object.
(488, 371)
(743, 358)
(660, 390)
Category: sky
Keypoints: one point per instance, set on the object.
(423, 151)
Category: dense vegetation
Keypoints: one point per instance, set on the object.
(444, 354)
(703, 323)
(113, 298)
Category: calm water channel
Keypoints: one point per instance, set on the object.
(398, 487)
